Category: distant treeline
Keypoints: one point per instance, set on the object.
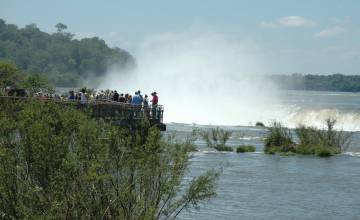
(64, 60)
(335, 82)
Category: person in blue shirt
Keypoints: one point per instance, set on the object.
(136, 99)
(71, 96)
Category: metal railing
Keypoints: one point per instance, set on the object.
(107, 109)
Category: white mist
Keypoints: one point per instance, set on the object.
(201, 78)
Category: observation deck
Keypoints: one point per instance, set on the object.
(122, 114)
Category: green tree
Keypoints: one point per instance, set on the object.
(57, 163)
(60, 27)
(10, 75)
(58, 56)
(35, 83)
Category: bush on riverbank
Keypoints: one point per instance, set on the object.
(278, 139)
(216, 138)
(57, 163)
(224, 148)
(311, 141)
(189, 142)
(259, 124)
(245, 148)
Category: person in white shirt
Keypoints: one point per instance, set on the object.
(83, 98)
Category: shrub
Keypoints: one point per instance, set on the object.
(189, 142)
(337, 139)
(325, 142)
(278, 138)
(57, 163)
(312, 141)
(259, 124)
(271, 150)
(323, 152)
(216, 138)
(305, 149)
(223, 148)
(245, 148)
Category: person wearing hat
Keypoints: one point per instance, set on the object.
(154, 101)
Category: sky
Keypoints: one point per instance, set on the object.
(288, 36)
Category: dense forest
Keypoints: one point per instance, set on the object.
(335, 82)
(63, 59)
(66, 61)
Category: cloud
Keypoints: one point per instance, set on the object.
(289, 22)
(330, 32)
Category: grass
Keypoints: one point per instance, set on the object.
(245, 148)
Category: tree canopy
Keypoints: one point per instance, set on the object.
(62, 58)
(10, 75)
(57, 163)
(12, 78)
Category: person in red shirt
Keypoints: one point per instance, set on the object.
(154, 101)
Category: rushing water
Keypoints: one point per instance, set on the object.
(260, 186)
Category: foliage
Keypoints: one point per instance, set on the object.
(57, 163)
(324, 152)
(245, 148)
(36, 83)
(334, 82)
(10, 75)
(63, 59)
(223, 148)
(311, 141)
(259, 124)
(278, 138)
(216, 138)
(190, 140)
(322, 141)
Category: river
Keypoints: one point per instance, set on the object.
(260, 186)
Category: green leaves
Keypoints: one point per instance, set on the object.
(57, 163)
(63, 59)
(311, 140)
(9, 74)
(217, 138)
(35, 83)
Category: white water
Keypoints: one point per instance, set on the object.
(346, 120)
(200, 77)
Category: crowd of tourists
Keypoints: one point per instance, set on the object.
(137, 101)
(114, 96)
